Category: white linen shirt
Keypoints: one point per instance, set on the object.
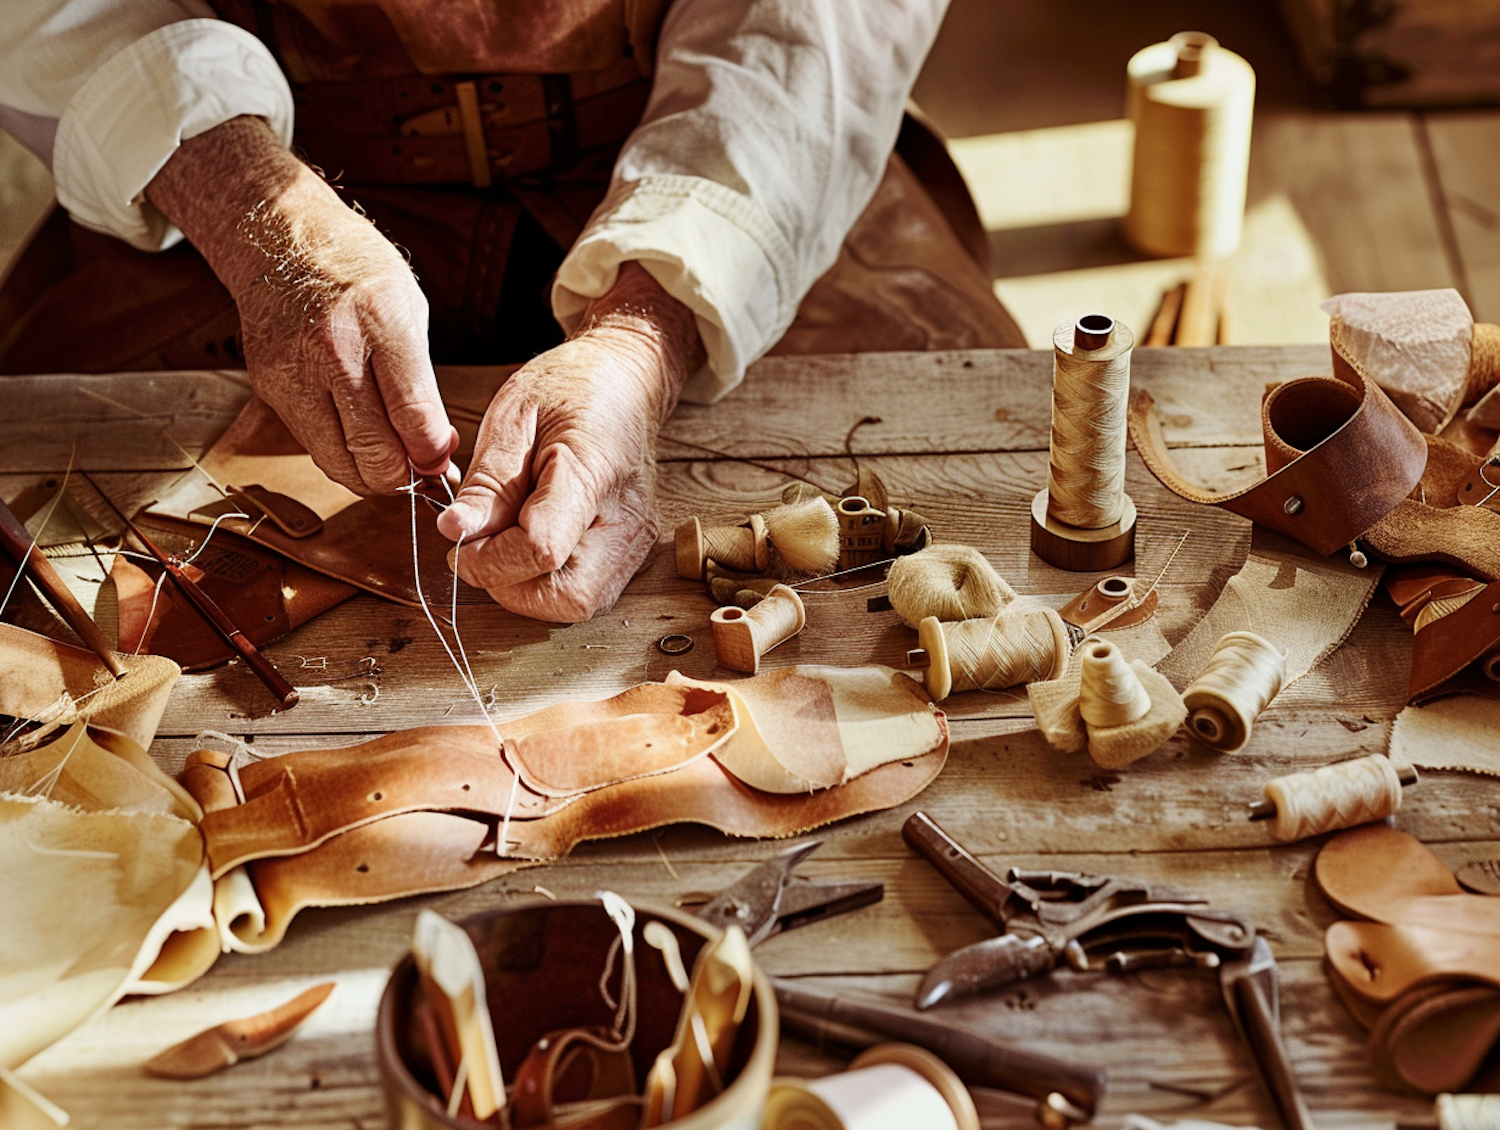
(765, 136)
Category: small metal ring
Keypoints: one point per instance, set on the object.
(675, 644)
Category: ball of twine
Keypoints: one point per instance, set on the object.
(950, 582)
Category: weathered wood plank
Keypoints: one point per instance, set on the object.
(996, 400)
(1466, 152)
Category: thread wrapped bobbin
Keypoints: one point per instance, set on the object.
(1241, 678)
(887, 1087)
(1128, 709)
(990, 653)
(1192, 102)
(742, 636)
(1083, 520)
(1336, 796)
(742, 548)
(950, 582)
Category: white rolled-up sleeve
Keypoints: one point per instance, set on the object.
(117, 85)
(767, 133)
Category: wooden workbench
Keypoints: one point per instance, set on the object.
(962, 438)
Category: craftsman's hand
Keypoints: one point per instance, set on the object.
(334, 324)
(558, 508)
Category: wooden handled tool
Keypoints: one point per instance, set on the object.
(265, 671)
(18, 545)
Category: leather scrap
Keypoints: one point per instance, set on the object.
(1380, 962)
(1385, 875)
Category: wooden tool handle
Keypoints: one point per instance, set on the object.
(977, 1059)
(1259, 1024)
(976, 882)
(18, 545)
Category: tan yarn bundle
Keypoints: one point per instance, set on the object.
(949, 582)
(805, 535)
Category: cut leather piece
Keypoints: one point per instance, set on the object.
(36, 672)
(1304, 604)
(1437, 1039)
(1466, 536)
(1447, 646)
(647, 729)
(1449, 733)
(1340, 456)
(299, 800)
(810, 726)
(265, 595)
(1379, 962)
(1413, 587)
(1389, 876)
(365, 542)
(413, 853)
(704, 792)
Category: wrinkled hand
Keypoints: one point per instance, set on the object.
(558, 509)
(334, 324)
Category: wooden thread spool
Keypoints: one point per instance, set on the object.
(1240, 680)
(742, 636)
(1083, 520)
(1109, 692)
(990, 653)
(742, 548)
(1336, 796)
(1192, 102)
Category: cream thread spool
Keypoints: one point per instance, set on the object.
(1192, 102)
(742, 636)
(1239, 681)
(742, 548)
(1335, 796)
(1083, 520)
(990, 653)
(1468, 1112)
(887, 1087)
(1109, 692)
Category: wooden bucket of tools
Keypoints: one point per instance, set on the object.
(543, 963)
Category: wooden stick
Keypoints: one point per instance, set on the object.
(265, 671)
(1164, 323)
(31, 560)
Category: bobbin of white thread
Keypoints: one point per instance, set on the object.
(1335, 796)
(742, 636)
(887, 1087)
(989, 653)
(1192, 104)
(1083, 520)
(1109, 692)
(1241, 678)
(744, 549)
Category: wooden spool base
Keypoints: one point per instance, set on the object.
(1079, 550)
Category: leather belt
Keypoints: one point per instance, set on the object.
(423, 129)
(1340, 454)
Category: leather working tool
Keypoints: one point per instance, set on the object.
(1105, 922)
(770, 900)
(286, 694)
(17, 544)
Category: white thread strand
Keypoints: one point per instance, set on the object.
(1238, 683)
(20, 565)
(1090, 395)
(161, 579)
(466, 677)
(1336, 796)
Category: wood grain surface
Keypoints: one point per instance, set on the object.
(962, 439)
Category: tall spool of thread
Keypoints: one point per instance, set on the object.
(888, 1087)
(1083, 520)
(742, 636)
(1335, 796)
(1241, 678)
(1109, 692)
(990, 653)
(1191, 101)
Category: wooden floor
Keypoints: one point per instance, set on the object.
(963, 439)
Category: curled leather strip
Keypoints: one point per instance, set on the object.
(1340, 455)
(1447, 647)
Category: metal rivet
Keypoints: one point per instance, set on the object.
(1292, 505)
(674, 644)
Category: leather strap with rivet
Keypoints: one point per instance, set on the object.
(1340, 454)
